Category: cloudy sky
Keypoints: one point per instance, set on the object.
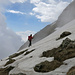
(19, 18)
(29, 16)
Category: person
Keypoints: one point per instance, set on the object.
(30, 39)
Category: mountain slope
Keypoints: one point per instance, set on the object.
(37, 37)
(66, 16)
(26, 62)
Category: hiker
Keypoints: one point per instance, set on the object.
(30, 39)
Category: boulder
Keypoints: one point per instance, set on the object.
(47, 66)
(49, 53)
(10, 61)
(65, 43)
(6, 70)
(64, 34)
(65, 51)
(71, 71)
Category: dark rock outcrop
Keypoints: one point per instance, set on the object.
(5, 71)
(47, 66)
(9, 62)
(29, 52)
(65, 51)
(49, 53)
(17, 54)
(18, 74)
(71, 71)
(64, 34)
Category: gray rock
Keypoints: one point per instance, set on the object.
(18, 74)
(66, 33)
(65, 43)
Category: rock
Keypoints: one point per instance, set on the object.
(68, 50)
(5, 71)
(49, 53)
(17, 54)
(29, 52)
(64, 34)
(47, 66)
(18, 74)
(65, 51)
(9, 62)
(65, 43)
(71, 45)
(71, 71)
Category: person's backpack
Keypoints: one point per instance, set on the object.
(30, 37)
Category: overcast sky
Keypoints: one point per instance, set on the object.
(19, 18)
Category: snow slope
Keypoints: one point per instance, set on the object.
(66, 16)
(25, 64)
(41, 34)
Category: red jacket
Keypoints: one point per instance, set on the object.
(30, 37)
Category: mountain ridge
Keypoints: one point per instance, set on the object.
(63, 19)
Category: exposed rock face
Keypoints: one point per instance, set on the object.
(65, 43)
(64, 34)
(17, 54)
(5, 71)
(47, 66)
(71, 71)
(49, 53)
(29, 52)
(18, 74)
(10, 61)
(65, 51)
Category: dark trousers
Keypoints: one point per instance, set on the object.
(30, 43)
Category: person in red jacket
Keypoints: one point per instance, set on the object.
(30, 39)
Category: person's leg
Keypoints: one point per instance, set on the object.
(29, 43)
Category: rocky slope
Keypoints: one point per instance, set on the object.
(49, 56)
(52, 55)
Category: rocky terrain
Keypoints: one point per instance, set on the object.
(50, 54)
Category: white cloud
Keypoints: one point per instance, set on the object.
(34, 1)
(48, 11)
(9, 40)
(18, 1)
(15, 12)
(32, 13)
(3, 4)
(24, 35)
(51, 1)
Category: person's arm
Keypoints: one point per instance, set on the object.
(32, 37)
